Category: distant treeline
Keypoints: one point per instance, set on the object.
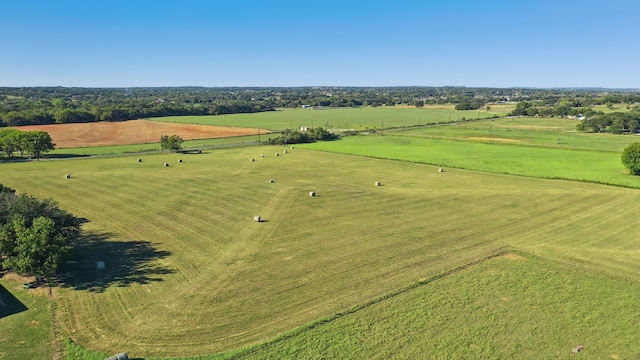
(48, 105)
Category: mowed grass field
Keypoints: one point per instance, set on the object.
(25, 322)
(337, 118)
(189, 273)
(510, 307)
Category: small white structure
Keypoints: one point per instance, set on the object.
(121, 356)
(99, 265)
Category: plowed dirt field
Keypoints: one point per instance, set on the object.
(130, 132)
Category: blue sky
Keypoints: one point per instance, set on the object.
(492, 43)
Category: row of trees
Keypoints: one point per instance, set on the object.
(615, 123)
(35, 235)
(47, 105)
(31, 143)
(290, 136)
(82, 112)
(563, 109)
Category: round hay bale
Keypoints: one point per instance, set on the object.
(139, 160)
(256, 218)
(179, 160)
(261, 155)
(286, 151)
(199, 151)
(312, 194)
(277, 154)
(377, 183)
(252, 159)
(440, 170)
(292, 147)
(68, 176)
(166, 164)
(271, 181)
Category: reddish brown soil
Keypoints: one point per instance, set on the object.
(130, 132)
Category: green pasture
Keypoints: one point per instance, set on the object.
(559, 133)
(511, 307)
(190, 273)
(334, 118)
(581, 165)
(25, 323)
(155, 147)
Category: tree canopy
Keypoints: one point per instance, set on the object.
(48, 105)
(291, 136)
(33, 143)
(631, 158)
(171, 142)
(34, 234)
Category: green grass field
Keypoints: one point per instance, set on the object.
(25, 323)
(546, 162)
(557, 133)
(335, 118)
(511, 307)
(155, 147)
(189, 273)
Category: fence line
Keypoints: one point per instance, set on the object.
(592, 268)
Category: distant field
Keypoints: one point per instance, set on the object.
(130, 132)
(498, 157)
(554, 132)
(189, 273)
(334, 118)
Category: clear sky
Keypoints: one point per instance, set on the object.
(491, 43)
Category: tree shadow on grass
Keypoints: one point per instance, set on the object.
(9, 304)
(125, 263)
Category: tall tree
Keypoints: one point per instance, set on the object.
(37, 142)
(9, 139)
(35, 250)
(171, 143)
(34, 234)
(631, 158)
